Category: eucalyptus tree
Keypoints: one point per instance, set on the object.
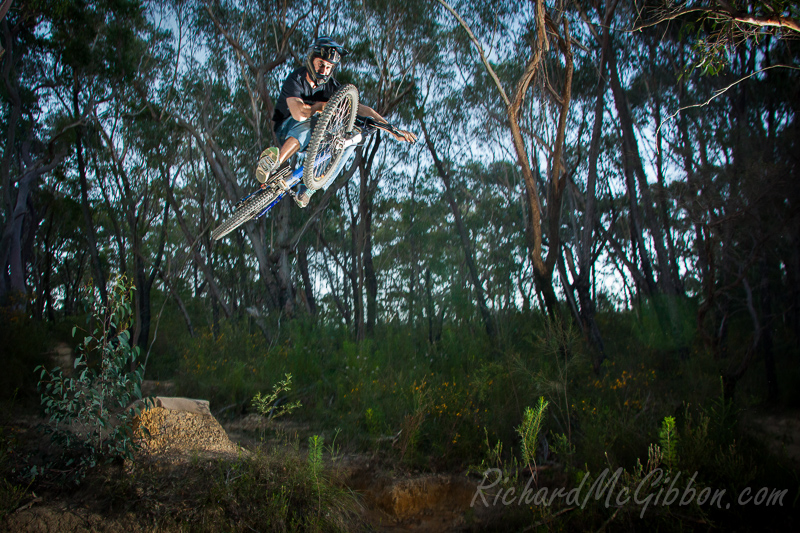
(392, 44)
(533, 55)
(584, 243)
(708, 216)
(744, 200)
(466, 240)
(32, 143)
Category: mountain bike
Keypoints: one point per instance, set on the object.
(337, 128)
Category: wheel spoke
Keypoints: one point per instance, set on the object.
(328, 145)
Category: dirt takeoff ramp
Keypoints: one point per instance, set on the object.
(182, 428)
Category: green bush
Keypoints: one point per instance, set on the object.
(90, 416)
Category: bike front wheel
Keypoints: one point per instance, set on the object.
(326, 148)
(248, 211)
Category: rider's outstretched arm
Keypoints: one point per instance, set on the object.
(401, 135)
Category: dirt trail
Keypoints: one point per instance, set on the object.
(179, 431)
(423, 503)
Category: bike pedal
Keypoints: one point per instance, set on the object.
(284, 187)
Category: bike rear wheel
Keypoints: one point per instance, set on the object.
(326, 148)
(252, 207)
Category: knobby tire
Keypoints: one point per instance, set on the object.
(334, 123)
(246, 212)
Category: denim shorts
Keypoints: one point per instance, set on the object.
(302, 132)
(299, 130)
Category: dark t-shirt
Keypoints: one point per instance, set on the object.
(297, 86)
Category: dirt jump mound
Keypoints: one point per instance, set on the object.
(182, 428)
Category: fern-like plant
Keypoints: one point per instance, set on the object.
(668, 438)
(315, 449)
(529, 430)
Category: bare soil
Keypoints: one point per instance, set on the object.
(177, 440)
(180, 440)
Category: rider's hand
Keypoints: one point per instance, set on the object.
(405, 136)
(317, 107)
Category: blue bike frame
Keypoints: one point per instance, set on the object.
(293, 180)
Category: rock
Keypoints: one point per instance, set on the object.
(187, 405)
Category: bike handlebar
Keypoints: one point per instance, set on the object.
(369, 124)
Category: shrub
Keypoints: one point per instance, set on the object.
(90, 416)
(529, 430)
(269, 406)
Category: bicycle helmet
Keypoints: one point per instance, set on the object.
(327, 49)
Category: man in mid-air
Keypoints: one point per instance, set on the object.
(305, 93)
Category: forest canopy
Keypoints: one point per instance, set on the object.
(622, 170)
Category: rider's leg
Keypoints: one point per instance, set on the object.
(304, 193)
(294, 137)
(289, 148)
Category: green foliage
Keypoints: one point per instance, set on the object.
(667, 323)
(496, 463)
(272, 488)
(375, 420)
(560, 361)
(668, 438)
(90, 416)
(268, 405)
(723, 415)
(11, 495)
(529, 431)
(412, 423)
(278, 491)
(228, 367)
(316, 447)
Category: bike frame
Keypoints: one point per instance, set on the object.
(285, 179)
(296, 177)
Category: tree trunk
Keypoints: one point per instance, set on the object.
(767, 342)
(585, 248)
(302, 263)
(284, 264)
(144, 283)
(369, 279)
(91, 234)
(429, 309)
(466, 243)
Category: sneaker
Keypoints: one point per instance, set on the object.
(303, 196)
(267, 162)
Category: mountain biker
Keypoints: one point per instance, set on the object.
(303, 94)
